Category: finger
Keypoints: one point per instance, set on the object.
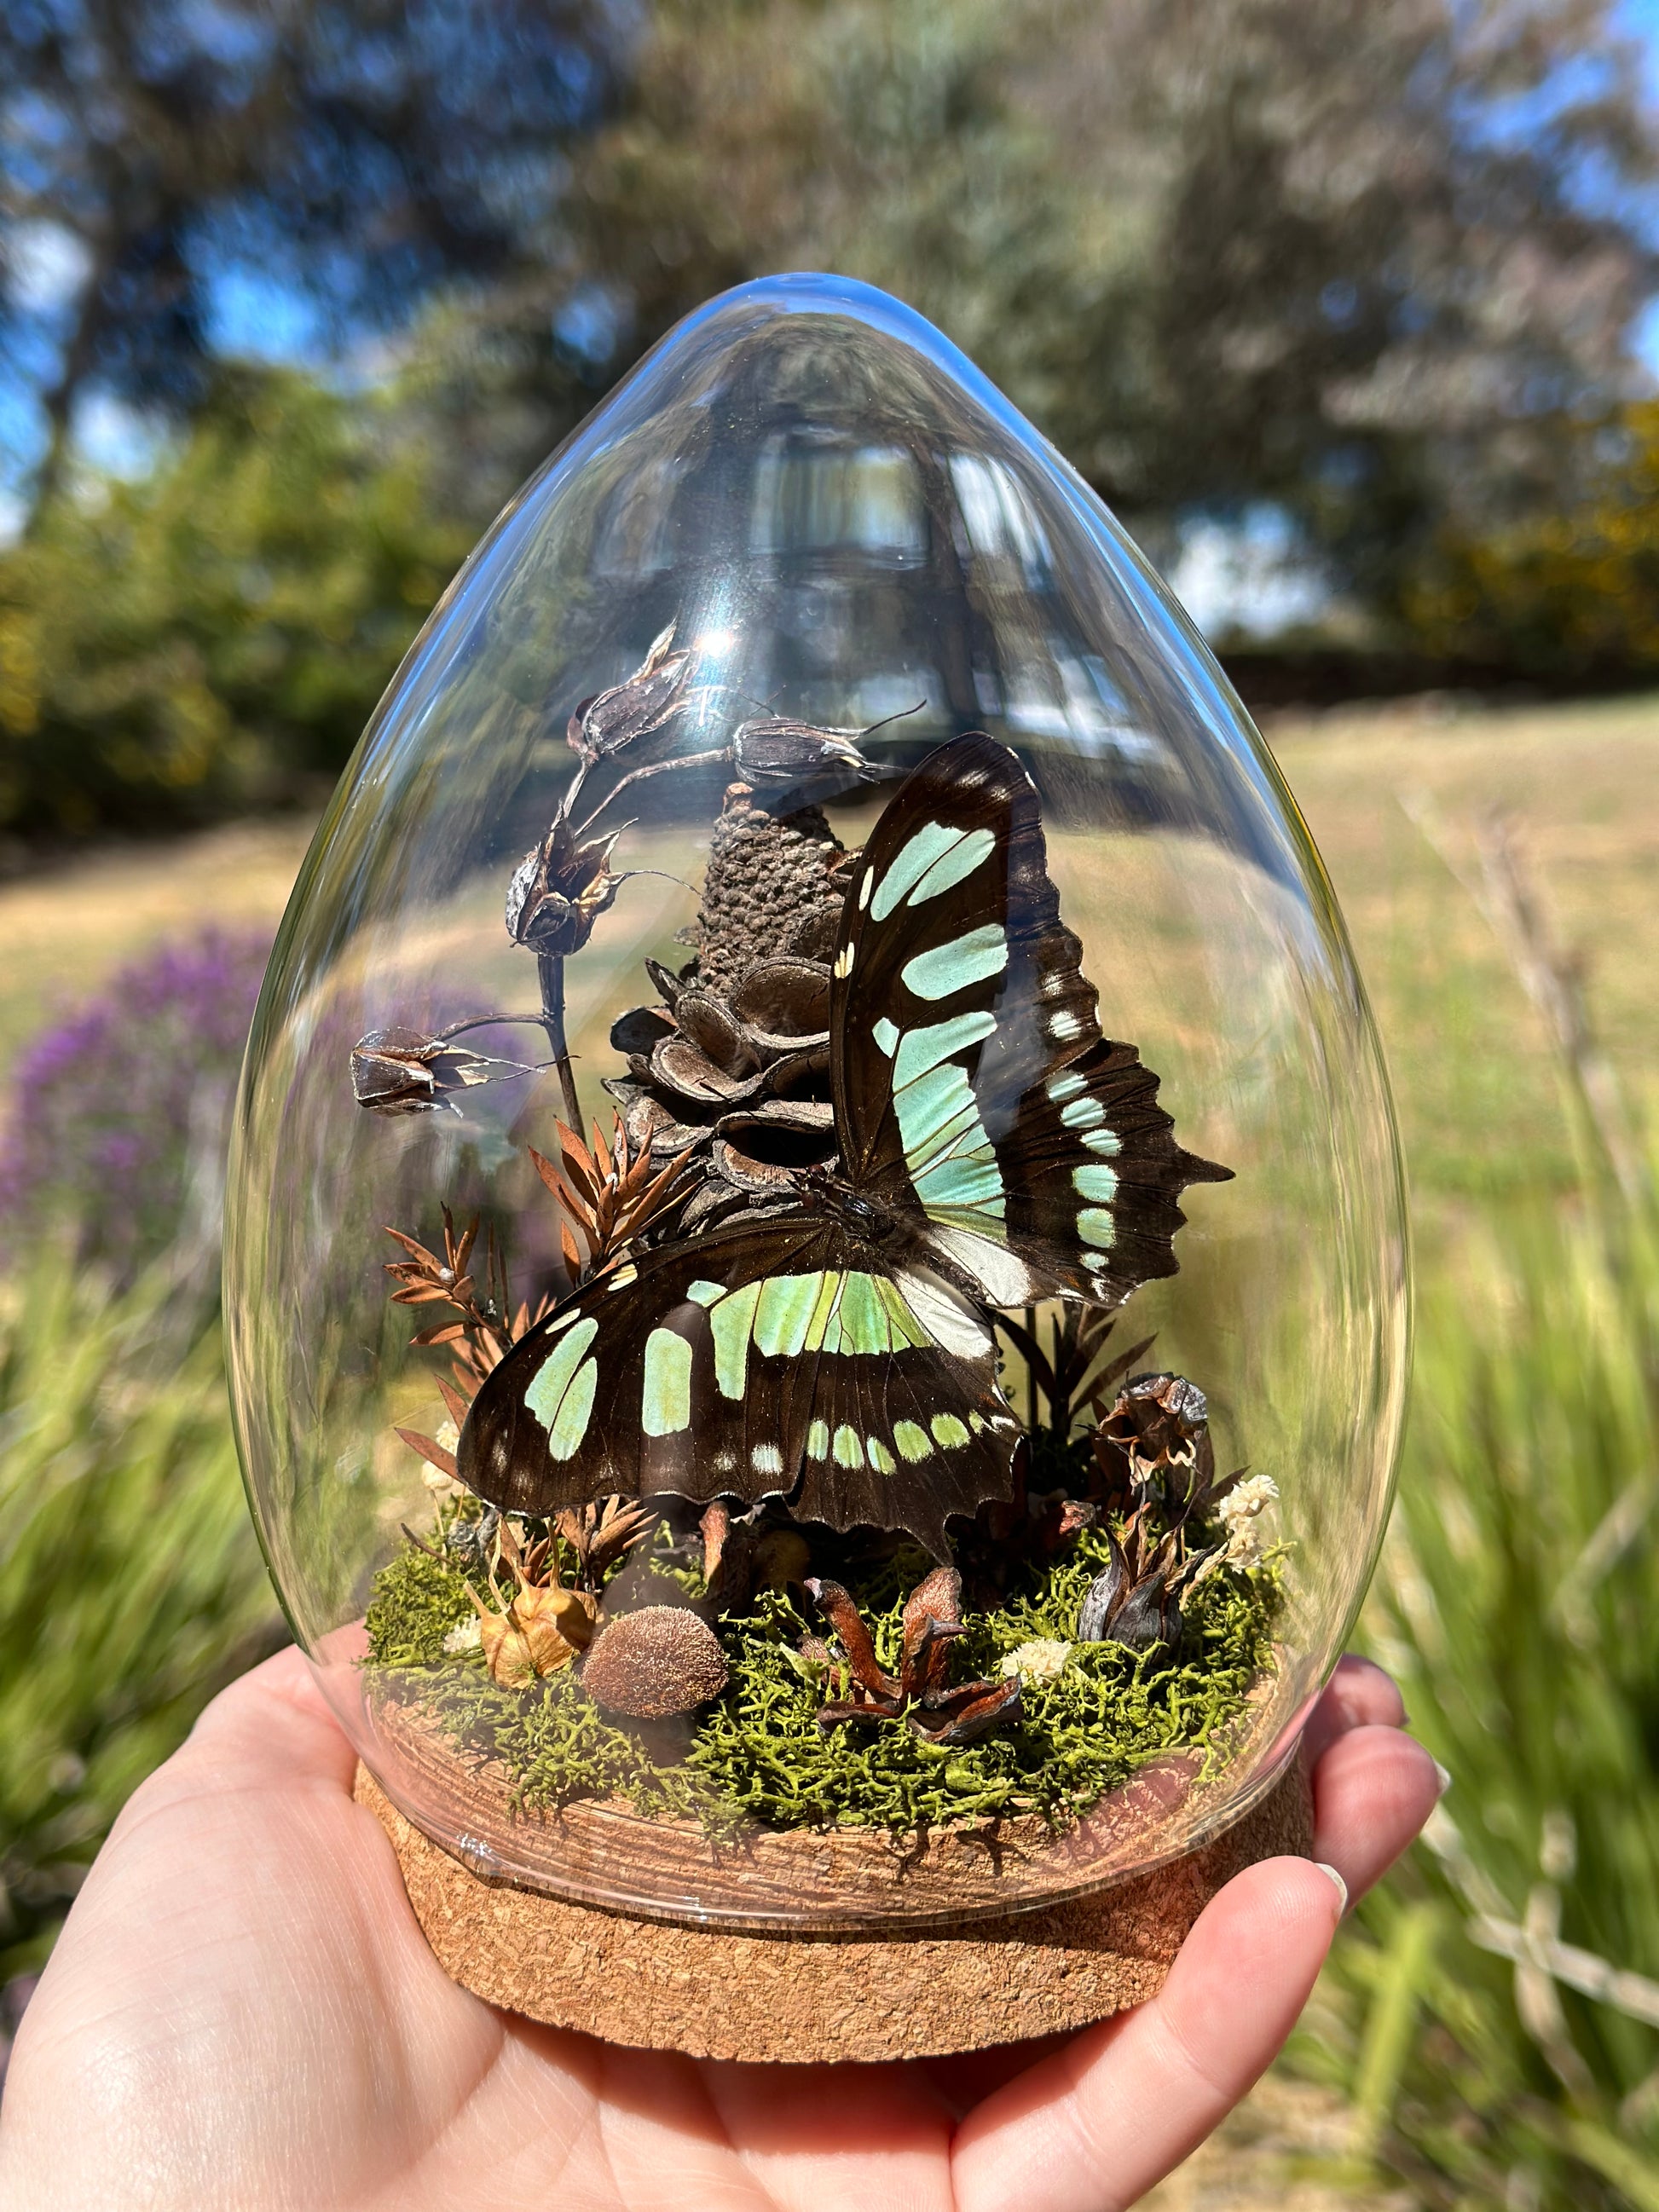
(1358, 1695)
(1373, 1790)
(1093, 2128)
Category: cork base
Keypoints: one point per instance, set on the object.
(714, 1994)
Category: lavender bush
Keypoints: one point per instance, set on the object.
(119, 1115)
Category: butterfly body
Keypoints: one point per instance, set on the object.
(994, 1149)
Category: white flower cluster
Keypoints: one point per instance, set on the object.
(1240, 1511)
(1041, 1660)
(467, 1637)
(440, 1484)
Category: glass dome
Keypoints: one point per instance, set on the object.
(816, 1268)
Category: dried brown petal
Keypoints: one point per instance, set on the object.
(972, 1712)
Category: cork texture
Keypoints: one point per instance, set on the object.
(714, 1994)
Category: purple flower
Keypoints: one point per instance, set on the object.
(119, 1113)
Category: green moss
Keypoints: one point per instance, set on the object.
(758, 1754)
(416, 1601)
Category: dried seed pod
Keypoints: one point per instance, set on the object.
(559, 891)
(1157, 1421)
(642, 702)
(656, 1662)
(403, 1071)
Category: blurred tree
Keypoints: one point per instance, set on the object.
(210, 636)
(1571, 592)
(1377, 260)
(344, 155)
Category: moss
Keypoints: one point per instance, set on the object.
(416, 1601)
(758, 1752)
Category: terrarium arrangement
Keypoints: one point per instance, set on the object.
(815, 1269)
(815, 1484)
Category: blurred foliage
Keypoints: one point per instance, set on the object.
(1494, 2014)
(1368, 258)
(132, 1584)
(343, 156)
(132, 1091)
(210, 636)
(1569, 593)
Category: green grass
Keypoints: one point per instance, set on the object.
(130, 1583)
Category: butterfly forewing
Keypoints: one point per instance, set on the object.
(972, 1081)
(782, 1357)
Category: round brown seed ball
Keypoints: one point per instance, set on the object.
(659, 1660)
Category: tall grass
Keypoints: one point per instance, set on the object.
(131, 1585)
(1493, 2014)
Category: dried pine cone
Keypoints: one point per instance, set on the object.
(734, 1064)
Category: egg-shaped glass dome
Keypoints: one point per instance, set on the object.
(815, 1271)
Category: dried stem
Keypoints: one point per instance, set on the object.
(550, 967)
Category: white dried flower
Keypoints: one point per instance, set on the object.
(440, 1484)
(1041, 1660)
(1240, 1510)
(468, 1637)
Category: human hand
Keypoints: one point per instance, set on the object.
(243, 2014)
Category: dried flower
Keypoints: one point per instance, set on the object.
(1241, 1509)
(920, 1694)
(1157, 1421)
(600, 1532)
(610, 720)
(401, 1070)
(1040, 1659)
(559, 891)
(654, 1663)
(537, 1631)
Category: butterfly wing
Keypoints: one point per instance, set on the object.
(973, 1080)
(778, 1357)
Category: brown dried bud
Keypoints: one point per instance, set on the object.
(610, 720)
(559, 891)
(1157, 1420)
(657, 1662)
(400, 1071)
(776, 750)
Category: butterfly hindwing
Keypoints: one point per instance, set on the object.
(971, 1078)
(779, 1358)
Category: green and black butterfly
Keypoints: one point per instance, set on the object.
(994, 1149)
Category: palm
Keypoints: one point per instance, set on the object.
(243, 2012)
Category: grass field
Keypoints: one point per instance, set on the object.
(1515, 1420)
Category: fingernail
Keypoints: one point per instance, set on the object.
(1443, 1776)
(1341, 1886)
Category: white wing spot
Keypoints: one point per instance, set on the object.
(766, 1459)
(1064, 1026)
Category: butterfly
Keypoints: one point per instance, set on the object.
(994, 1149)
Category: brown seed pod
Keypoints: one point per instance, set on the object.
(650, 1664)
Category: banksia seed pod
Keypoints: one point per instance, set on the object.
(656, 1662)
(732, 1067)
